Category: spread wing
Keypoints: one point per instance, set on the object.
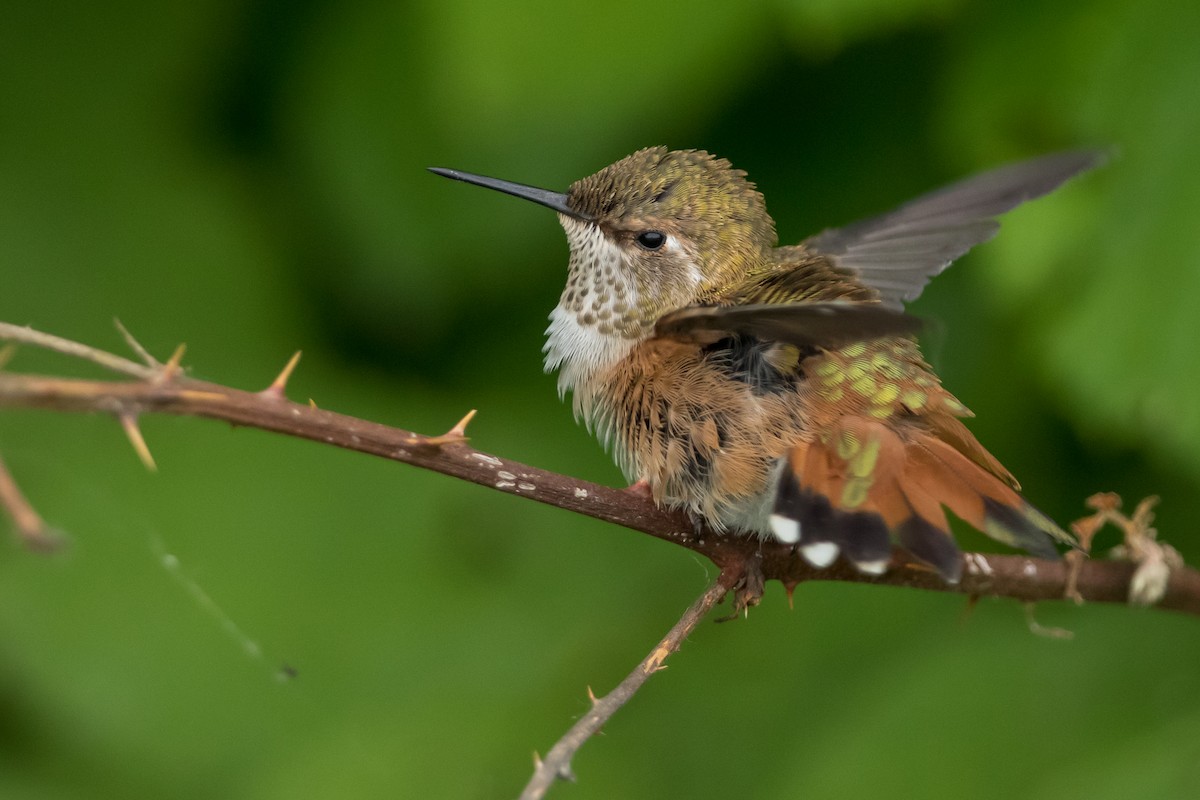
(898, 252)
(828, 324)
(817, 301)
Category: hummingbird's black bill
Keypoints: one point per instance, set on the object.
(545, 197)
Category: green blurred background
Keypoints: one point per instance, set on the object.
(248, 178)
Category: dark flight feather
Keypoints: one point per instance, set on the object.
(898, 252)
(932, 545)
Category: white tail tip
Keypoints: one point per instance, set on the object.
(785, 529)
(819, 554)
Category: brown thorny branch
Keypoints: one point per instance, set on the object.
(1151, 573)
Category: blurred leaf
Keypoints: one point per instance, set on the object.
(1117, 311)
(822, 27)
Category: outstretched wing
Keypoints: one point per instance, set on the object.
(827, 325)
(898, 252)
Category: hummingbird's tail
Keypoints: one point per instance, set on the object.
(868, 482)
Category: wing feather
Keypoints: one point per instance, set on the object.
(827, 325)
(898, 252)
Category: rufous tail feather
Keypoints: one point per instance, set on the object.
(868, 483)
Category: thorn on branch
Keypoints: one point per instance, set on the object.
(129, 424)
(453, 436)
(278, 388)
(970, 606)
(172, 368)
(790, 586)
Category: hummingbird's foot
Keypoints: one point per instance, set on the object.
(641, 488)
(748, 590)
(698, 524)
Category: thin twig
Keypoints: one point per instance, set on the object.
(26, 335)
(557, 763)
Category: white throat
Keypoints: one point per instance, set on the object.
(579, 351)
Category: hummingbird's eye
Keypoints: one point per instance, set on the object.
(651, 240)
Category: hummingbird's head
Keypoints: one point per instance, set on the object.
(667, 226)
(649, 234)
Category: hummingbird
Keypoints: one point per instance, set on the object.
(779, 391)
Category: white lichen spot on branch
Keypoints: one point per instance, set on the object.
(977, 564)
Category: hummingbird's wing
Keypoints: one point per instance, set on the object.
(828, 325)
(898, 252)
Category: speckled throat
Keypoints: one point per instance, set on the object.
(603, 311)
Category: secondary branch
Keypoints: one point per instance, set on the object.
(557, 763)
